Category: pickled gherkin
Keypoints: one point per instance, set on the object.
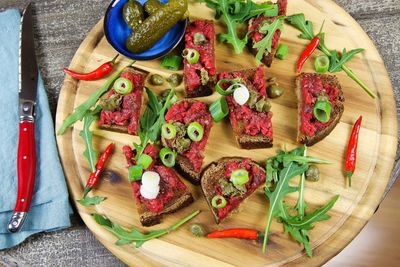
(156, 25)
(151, 6)
(133, 13)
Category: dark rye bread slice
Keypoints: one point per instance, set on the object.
(267, 57)
(182, 164)
(246, 141)
(210, 179)
(148, 218)
(336, 113)
(124, 128)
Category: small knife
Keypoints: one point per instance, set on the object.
(26, 156)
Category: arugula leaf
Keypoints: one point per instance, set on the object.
(266, 43)
(82, 109)
(90, 201)
(305, 26)
(298, 227)
(281, 190)
(133, 235)
(236, 12)
(152, 120)
(337, 63)
(301, 204)
(90, 154)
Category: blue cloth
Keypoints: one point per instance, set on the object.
(50, 209)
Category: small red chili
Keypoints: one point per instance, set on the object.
(307, 53)
(351, 154)
(243, 233)
(98, 73)
(94, 176)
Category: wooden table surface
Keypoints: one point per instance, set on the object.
(60, 26)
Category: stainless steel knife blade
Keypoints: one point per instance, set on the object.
(28, 65)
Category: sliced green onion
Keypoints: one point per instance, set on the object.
(123, 86)
(321, 64)
(195, 131)
(239, 177)
(191, 55)
(167, 157)
(232, 85)
(322, 110)
(135, 173)
(219, 109)
(144, 161)
(218, 202)
(168, 131)
(171, 62)
(282, 51)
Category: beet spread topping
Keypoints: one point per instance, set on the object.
(234, 198)
(128, 111)
(171, 186)
(313, 86)
(254, 122)
(200, 36)
(186, 112)
(257, 22)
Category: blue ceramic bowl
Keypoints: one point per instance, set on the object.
(117, 32)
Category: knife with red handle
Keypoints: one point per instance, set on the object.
(26, 156)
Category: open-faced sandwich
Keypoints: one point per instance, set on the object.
(199, 58)
(320, 106)
(160, 189)
(228, 182)
(255, 35)
(186, 131)
(249, 108)
(121, 106)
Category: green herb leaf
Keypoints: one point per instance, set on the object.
(90, 201)
(305, 26)
(133, 235)
(82, 109)
(90, 153)
(337, 63)
(266, 43)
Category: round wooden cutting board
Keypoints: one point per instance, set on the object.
(356, 205)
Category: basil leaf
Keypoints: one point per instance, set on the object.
(337, 63)
(90, 201)
(300, 23)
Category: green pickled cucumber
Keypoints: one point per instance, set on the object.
(156, 25)
(133, 13)
(151, 6)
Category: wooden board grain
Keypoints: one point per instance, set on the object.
(356, 205)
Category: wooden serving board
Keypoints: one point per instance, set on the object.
(377, 146)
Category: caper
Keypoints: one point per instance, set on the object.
(312, 174)
(199, 38)
(197, 230)
(274, 91)
(156, 79)
(181, 144)
(252, 99)
(175, 79)
(263, 105)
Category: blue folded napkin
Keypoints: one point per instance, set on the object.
(50, 209)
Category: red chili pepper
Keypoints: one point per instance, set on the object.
(351, 154)
(94, 176)
(98, 73)
(244, 233)
(307, 52)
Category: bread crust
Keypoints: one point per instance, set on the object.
(337, 111)
(148, 218)
(211, 175)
